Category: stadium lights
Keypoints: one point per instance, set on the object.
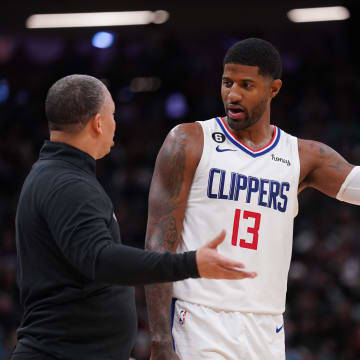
(330, 13)
(119, 18)
(102, 40)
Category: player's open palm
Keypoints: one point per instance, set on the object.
(212, 265)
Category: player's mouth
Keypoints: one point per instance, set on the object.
(236, 111)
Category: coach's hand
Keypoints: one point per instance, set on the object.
(212, 265)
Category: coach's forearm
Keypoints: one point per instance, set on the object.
(125, 265)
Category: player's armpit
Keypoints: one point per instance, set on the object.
(321, 167)
(175, 166)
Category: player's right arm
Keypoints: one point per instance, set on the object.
(175, 166)
(174, 170)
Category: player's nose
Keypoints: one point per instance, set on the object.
(234, 95)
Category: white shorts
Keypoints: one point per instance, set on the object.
(200, 332)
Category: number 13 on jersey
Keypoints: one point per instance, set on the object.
(241, 215)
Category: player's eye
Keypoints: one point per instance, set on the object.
(247, 85)
(227, 83)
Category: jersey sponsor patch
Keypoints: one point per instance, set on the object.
(280, 159)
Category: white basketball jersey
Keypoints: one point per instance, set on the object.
(253, 196)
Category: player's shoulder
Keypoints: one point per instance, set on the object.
(313, 154)
(312, 148)
(193, 130)
(186, 129)
(185, 138)
(186, 133)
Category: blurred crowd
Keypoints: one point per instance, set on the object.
(159, 79)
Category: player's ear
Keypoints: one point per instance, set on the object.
(275, 87)
(96, 124)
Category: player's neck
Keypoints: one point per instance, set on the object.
(256, 136)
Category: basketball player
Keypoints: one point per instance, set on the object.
(241, 173)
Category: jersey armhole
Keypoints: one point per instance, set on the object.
(203, 158)
(297, 154)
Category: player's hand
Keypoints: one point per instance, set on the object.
(212, 265)
(163, 352)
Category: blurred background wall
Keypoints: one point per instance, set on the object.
(161, 75)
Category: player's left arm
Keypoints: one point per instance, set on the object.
(322, 168)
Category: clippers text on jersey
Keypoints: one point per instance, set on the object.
(250, 189)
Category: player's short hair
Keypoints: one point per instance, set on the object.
(256, 52)
(72, 101)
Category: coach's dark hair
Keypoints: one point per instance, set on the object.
(256, 52)
(72, 101)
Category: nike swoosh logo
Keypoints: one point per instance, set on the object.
(222, 150)
(279, 329)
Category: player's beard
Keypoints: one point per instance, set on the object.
(250, 119)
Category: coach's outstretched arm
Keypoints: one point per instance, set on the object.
(174, 170)
(126, 265)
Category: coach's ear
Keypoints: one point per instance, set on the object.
(275, 87)
(96, 124)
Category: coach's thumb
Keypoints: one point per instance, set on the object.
(213, 244)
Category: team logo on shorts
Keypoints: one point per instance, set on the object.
(182, 317)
